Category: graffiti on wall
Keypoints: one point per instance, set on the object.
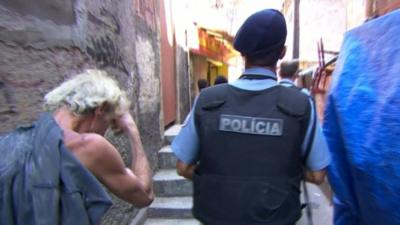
(146, 10)
(104, 51)
(103, 47)
(105, 19)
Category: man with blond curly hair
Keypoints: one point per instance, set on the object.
(50, 171)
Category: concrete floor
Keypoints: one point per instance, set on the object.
(322, 210)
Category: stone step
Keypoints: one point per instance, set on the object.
(322, 210)
(168, 183)
(171, 208)
(166, 158)
(140, 218)
(172, 222)
(171, 132)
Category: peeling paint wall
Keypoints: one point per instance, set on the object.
(44, 43)
(321, 19)
(324, 19)
(184, 83)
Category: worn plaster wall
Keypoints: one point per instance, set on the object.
(44, 43)
(324, 19)
(180, 18)
(289, 16)
(321, 19)
(183, 83)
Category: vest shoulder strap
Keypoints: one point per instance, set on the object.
(293, 102)
(209, 99)
(312, 134)
(212, 97)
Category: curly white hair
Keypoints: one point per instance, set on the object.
(87, 91)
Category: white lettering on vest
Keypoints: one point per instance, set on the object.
(245, 129)
(260, 130)
(275, 130)
(235, 124)
(225, 122)
(251, 125)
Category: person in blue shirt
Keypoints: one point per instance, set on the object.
(247, 144)
(288, 73)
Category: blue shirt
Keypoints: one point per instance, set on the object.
(186, 143)
(288, 83)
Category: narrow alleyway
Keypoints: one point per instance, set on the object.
(158, 50)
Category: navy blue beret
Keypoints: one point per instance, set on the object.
(261, 33)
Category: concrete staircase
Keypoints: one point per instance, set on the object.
(173, 202)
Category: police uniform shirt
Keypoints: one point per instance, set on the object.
(186, 143)
(289, 83)
(286, 82)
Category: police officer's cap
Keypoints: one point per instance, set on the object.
(261, 33)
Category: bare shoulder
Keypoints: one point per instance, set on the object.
(94, 150)
(99, 147)
(94, 142)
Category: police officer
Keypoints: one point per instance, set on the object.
(246, 144)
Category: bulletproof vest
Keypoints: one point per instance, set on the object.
(250, 162)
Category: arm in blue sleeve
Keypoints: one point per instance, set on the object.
(319, 156)
(186, 143)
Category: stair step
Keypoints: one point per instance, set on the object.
(171, 208)
(140, 218)
(168, 183)
(171, 132)
(166, 158)
(172, 222)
